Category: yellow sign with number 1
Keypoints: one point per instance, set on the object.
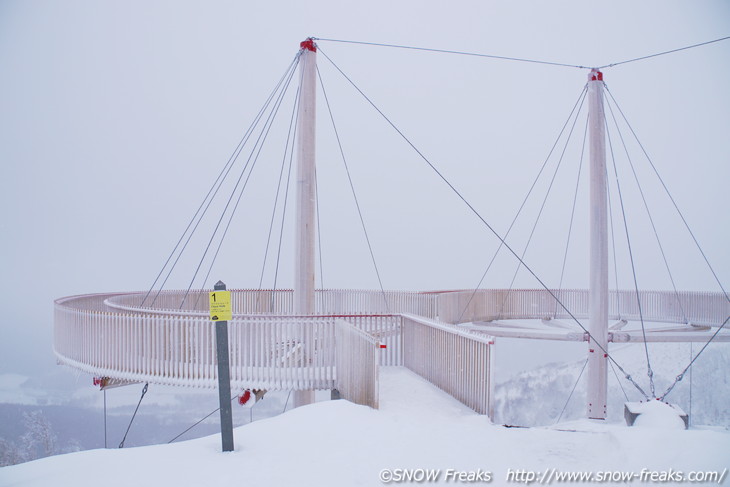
(220, 306)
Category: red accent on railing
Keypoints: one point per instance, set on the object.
(244, 398)
(308, 44)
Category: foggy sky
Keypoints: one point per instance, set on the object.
(117, 117)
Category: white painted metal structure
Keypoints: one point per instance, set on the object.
(108, 335)
(597, 396)
(105, 335)
(456, 362)
(357, 363)
(691, 311)
(309, 339)
(304, 262)
(534, 313)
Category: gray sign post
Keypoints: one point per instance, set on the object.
(224, 378)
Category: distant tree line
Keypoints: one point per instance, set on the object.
(37, 441)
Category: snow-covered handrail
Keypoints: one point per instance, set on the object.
(280, 352)
(699, 308)
(357, 359)
(110, 335)
(455, 361)
(280, 301)
(461, 306)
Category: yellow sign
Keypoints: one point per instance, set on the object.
(220, 306)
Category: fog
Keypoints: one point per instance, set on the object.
(117, 117)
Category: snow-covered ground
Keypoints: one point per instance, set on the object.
(704, 392)
(337, 443)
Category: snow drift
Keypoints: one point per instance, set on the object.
(338, 443)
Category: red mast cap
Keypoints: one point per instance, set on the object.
(308, 44)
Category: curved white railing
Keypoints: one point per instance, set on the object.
(699, 308)
(266, 351)
(110, 335)
(280, 301)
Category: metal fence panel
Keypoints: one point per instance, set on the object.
(357, 364)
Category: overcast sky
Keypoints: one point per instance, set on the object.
(116, 117)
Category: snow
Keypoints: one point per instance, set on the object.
(656, 414)
(337, 443)
(707, 384)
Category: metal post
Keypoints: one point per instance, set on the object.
(224, 378)
(598, 289)
(304, 263)
(105, 442)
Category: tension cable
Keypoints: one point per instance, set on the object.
(544, 202)
(651, 219)
(524, 60)
(572, 212)
(216, 186)
(663, 53)
(681, 375)
(286, 200)
(671, 198)
(463, 53)
(572, 391)
(484, 221)
(649, 370)
(200, 421)
(261, 139)
(579, 102)
(291, 134)
(354, 194)
(144, 391)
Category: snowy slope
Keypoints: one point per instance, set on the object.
(550, 386)
(341, 444)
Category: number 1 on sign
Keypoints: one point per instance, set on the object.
(220, 306)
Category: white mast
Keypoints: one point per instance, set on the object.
(598, 291)
(304, 263)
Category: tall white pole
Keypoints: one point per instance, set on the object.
(598, 291)
(304, 263)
